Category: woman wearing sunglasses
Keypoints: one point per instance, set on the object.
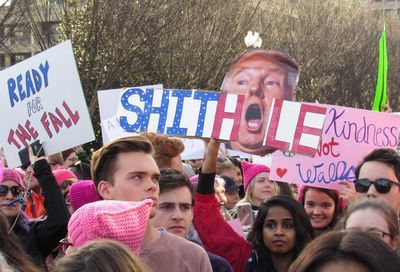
(38, 237)
(375, 217)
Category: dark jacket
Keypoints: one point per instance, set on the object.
(40, 237)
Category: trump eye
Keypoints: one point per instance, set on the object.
(272, 83)
(242, 82)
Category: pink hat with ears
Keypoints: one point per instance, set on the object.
(81, 193)
(250, 170)
(123, 221)
(62, 174)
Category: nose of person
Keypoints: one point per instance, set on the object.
(152, 187)
(9, 196)
(177, 214)
(317, 211)
(279, 230)
(256, 89)
(372, 193)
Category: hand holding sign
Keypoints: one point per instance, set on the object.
(44, 97)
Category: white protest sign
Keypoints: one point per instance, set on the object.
(108, 105)
(203, 114)
(348, 135)
(42, 99)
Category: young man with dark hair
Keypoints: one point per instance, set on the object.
(378, 176)
(125, 170)
(175, 210)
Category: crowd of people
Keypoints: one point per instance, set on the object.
(132, 206)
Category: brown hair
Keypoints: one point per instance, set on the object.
(332, 194)
(56, 159)
(165, 148)
(223, 164)
(172, 179)
(354, 246)
(101, 255)
(378, 205)
(384, 155)
(13, 252)
(104, 159)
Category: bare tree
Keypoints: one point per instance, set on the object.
(8, 21)
(336, 45)
(42, 17)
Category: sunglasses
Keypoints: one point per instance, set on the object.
(382, 185)
(15, 190)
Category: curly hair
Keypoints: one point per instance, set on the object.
(165, 148)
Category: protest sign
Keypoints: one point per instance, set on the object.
(348, 135)
(108, 105)
(42, 99)
(189, 113)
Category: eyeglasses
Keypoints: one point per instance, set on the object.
(382, 185)
(65, 244)
(15, 190)
(379, 233)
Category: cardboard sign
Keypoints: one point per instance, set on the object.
(42, 99)
(292, 126)
(348, 135)
(108, 105)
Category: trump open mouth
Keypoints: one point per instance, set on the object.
(254, 118)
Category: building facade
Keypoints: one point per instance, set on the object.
(30, 29)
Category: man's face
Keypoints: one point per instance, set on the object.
(136, 178)
(374, 170)
(175, 211)
(260, 81)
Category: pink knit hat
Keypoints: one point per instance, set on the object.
(62, 174)
(250, 170)
(12, 174)
(81, 193)
(123, 221)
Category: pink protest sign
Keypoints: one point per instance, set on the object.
(348, 135)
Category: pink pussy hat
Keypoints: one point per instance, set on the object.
(123, 221)
(250, 170)
(13, 175)
(62, 174)
(81, 193)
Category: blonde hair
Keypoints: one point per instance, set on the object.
(248, 197)
(101, 255)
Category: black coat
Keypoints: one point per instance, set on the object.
(40, 237)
